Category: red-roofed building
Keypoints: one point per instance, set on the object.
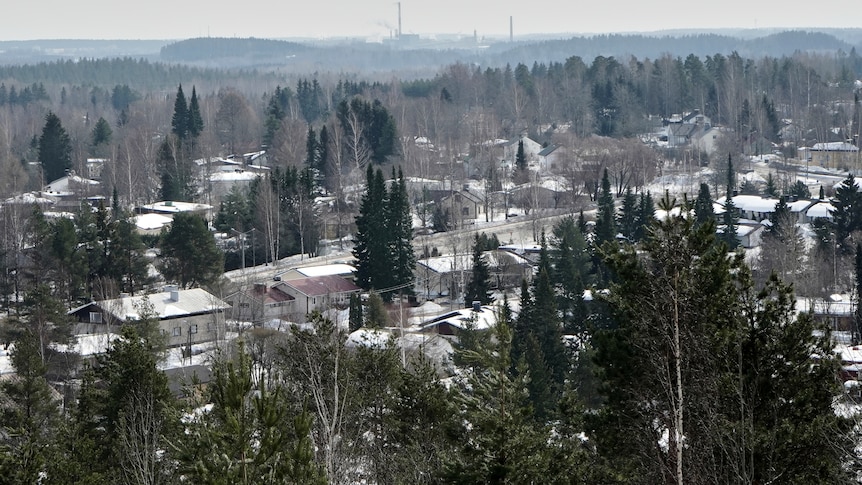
(318, 292)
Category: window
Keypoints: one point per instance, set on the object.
(243, 305)
(177, 331)
(193, 329)
(95, 317)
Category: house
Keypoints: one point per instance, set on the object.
(683, 130)
(754, 207)
(837, 311)
(448, 275)
(185, 317)
(261, 303)
(749, 233)
(464, 206)
(537, 196)
(318, 293)
(171, 207)
(152, 224)
(452, 323)
(68, 191)
(531, 149)
(837, 154)
(554, 157)
(336, 269)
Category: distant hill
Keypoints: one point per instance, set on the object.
(423, 57)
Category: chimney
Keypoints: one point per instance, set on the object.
(174, 291)
(477, 306)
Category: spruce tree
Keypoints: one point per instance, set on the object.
(628, 220)
(478, 288)
(847, 215)
(371, 249)
(606, 229)
(399, 226)
(195, 122)
(703, 211)
(55, 149)
(180, 119)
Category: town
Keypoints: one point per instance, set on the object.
(617, 270)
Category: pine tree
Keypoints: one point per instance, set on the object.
(55, 149)
(189, 254)
(478, 288)
(249, 436)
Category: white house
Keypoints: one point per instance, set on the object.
(185, 317)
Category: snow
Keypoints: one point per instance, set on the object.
(368, 337)
(234, 176)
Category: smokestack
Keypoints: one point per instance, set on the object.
(511, 29)
(399, 20)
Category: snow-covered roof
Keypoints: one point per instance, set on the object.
(29, 198)
(326, 270)
(152, 222)
(173, 206)
(483, 319)
(187, 302)
(835, 146)
(755, 203)
(822, 209)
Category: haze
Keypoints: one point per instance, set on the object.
(377, 19)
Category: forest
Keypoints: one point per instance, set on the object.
(644, 350)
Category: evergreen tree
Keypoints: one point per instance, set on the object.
(771, 188)
(847, 215)
(606, 229)
(520, 158)
(689, 324)
(703, 211)
(195, 122)
(311, 154)
(501, 443)
(572, 268)
(399, 224)
(782, 250)
(355, 317)
(537, 341)
(628, 220)
(180, 119)
(101, 134)
(55, 149)
(800, 190)
(29, 413)
(249, 437)
(189, 254)
(371, 250)
(478, 288)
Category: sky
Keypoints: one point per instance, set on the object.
(377, 19)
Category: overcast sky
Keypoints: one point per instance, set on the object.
(182, 19)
